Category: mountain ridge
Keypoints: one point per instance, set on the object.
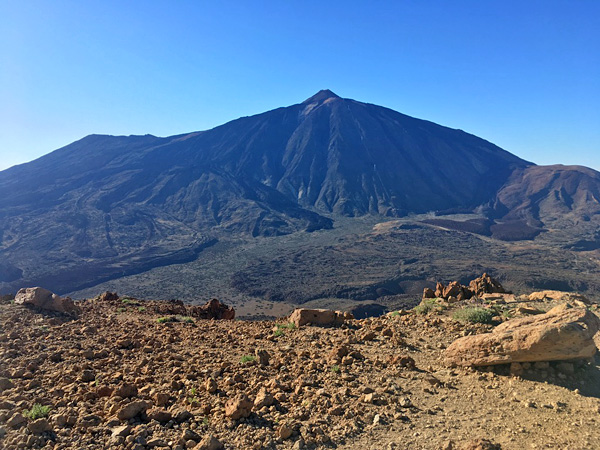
(109, 204)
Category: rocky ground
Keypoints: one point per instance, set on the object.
(126, 374)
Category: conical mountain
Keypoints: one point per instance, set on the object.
(106, 206)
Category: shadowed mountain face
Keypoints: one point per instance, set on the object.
(106, 206)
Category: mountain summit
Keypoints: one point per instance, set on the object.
(321, 96)
(106, 206)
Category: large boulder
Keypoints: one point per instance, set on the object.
(321, 317)
(485, 285)
(44, 299)
(562, 333)
(214, 309)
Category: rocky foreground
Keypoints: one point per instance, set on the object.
(128, 374)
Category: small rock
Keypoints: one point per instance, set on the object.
(263, 357)
(122, 431)
(210, 443)
(126, 390)
(189, 435)
(238, 407)
(284, 431)
(263, 398)
(161, 398)
(211, 386)
(132, 409)
(39, 426)
(160, 415)
(16, 420)
(87, 376)
(5, 384)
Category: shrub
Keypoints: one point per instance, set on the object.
(247, 359)
(185, 319)
(141, 308)
(37, 411)
(427, 306)
(335, 369)
(127, 301)
(474, 315)
(166, 319)
(121, 310)
(395, 314)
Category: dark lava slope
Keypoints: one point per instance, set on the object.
(106, 206)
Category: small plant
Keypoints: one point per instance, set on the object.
(205, 421)
(335, 369)
(247, 358)
(141, 308)
(185, 319)
(474, 315)
(395, 314)
(127, 301)
(166, 319)
(429, 305)
(121, 310)
(281, 327)
(37, 411)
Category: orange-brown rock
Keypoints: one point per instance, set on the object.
(428, 293)
(44, 299)
(558, 295)
(321, 317)
(561, 334)
(213, 309)
(485, 285)
(238, 407)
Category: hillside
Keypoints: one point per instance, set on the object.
(106, 207)
(123, 375)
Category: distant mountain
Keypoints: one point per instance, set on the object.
(107, 206)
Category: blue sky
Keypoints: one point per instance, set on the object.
(522, 74)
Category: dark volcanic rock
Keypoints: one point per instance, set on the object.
(109, 206)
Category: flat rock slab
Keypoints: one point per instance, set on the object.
(562, 333)
(320, 317)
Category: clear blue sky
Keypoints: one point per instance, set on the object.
(522, 74)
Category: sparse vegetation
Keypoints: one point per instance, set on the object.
(141, 308)
(181, 319)
(127, 301)
(166, 319)
(473, 315)
(335, 368)
(37, 411)
(121, 310)
(247, 358)
(428, 305)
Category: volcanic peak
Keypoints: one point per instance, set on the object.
(321, 96)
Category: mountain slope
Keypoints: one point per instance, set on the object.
(107, 206)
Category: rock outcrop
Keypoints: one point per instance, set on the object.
(455, 291)
(44, 299)
(321, 317)
(562, 333)
(213, 309)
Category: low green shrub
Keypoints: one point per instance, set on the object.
(247, 358)
(473, 315)
(37, 411)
